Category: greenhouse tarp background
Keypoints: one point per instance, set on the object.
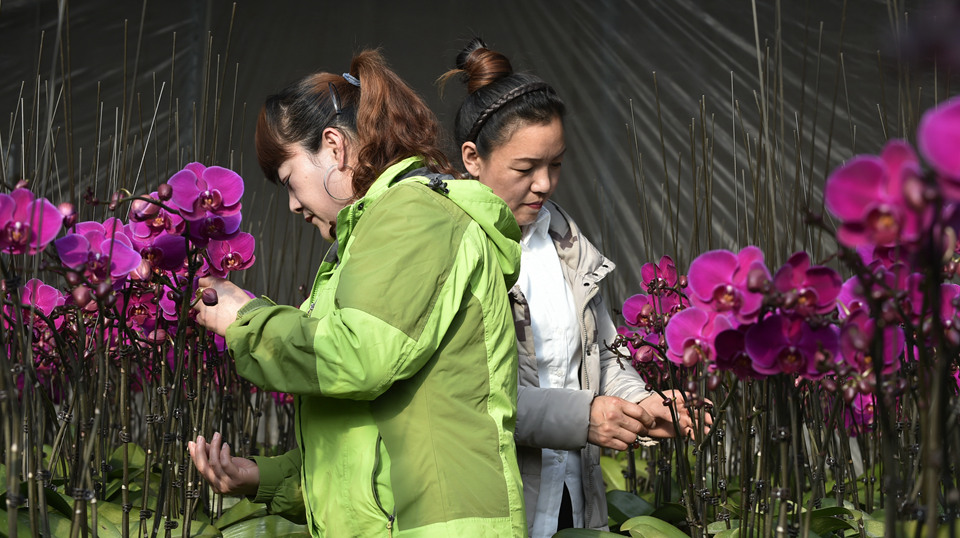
(665, 101)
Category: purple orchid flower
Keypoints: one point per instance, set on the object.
(233, 254)
(103, 250)
(859, 413)
(868, 195)
(41, 296)
(807, 290)
(789, 345)
(690, 335)
(199, 191)
(938, 137)
(856, 342)
(27, 224)
(723, 282)
(730, 346)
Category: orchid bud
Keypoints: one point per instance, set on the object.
(69, 214)
(757, 280)
(141, 210)
(691, 386)
(713, 381)
(164, 192)
(81, 296)
(103, 289)
(209, 297)
(828, 384)
(73, 278)
(682, 281)
(849, 393)
(114, 201)
(22, 184)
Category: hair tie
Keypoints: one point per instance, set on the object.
(498, 104)
(351, 79)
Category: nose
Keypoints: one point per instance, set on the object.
(294, 204)
(541, 181)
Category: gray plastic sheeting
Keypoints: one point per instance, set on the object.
(632, 193)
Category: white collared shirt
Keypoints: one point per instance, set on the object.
(556, 338)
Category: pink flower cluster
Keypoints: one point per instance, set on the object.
(131, 278)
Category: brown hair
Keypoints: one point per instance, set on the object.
(498, 100)
(384, 117)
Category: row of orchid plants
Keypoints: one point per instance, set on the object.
(817, 358)
(102, 358)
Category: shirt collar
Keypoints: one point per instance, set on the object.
(539, 228)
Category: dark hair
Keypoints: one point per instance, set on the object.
(498, 100)
(384, 117)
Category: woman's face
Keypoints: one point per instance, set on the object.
(303, 175)
(524, 170)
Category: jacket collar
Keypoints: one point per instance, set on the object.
(347, 217)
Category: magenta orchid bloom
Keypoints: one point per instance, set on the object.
(199, 191)
(859, 413)
(102, 250)
(868, 196)
(27, 225)
(938, 137)
(807, 290)
(721, 280)
(41, 296)
(730, 346)
(640, 352)
(233, 254)
(782, 344)
(856, 344)
(661, 274)
(690, 335)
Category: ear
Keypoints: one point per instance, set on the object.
(471, 159)
(335, 140)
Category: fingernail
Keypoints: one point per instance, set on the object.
(200, 439)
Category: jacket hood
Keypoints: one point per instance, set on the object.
(477, 200)
(495, 219)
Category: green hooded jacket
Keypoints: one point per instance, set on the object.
(405, 347)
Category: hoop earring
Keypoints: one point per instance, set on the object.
(326, 178)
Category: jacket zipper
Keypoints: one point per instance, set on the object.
(376, 494)
(586, 381)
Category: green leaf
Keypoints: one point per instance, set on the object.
(241, 511)
(623, 505)
(729, 533)
(874, 527)
(3, 479)
(585, 533)
(650, 527)
(671, 513)
(828, 524)
(718, 527)
(612, 472)
(23, 524)
(105, 527)
(136, 459)
(60, 502)
(271, 525)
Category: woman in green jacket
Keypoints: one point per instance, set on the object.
(402, 360)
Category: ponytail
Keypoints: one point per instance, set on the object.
(382, 117)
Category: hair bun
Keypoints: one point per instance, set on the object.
(482, 66)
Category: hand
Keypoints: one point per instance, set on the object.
(615, 423)
(228, 475)
(230, 298)
(664, 427)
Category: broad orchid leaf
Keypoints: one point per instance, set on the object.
(651, 527)
(624, 505)
(612, 474)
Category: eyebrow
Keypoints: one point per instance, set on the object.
(538, 159)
